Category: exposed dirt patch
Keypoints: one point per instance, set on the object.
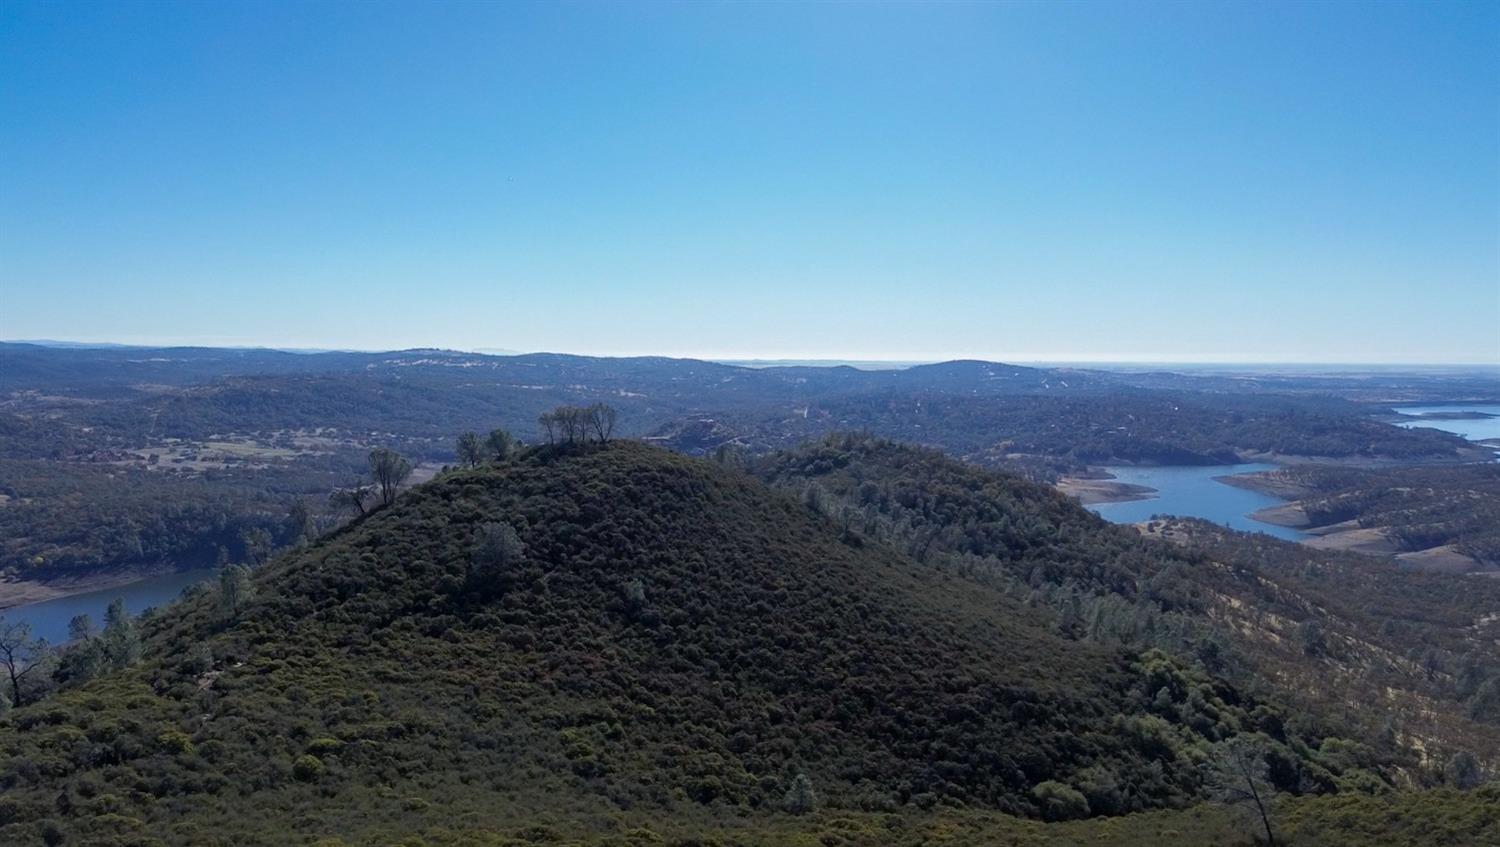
(1358, 539)
(1445, 559)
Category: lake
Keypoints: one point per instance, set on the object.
(1193, 492)
(49, 618)
(1474, 430)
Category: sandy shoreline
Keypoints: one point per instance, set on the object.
(1290, 515)
(1475, 451)
(22, 592)
(1090, 491)
(1265, 482)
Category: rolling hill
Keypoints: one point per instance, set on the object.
(575, 644)
(1313, 628)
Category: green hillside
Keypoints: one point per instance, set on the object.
(623, 645)
(1316, 630)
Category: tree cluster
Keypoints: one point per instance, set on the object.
(473, 450)
(579, 424)
(33, 668)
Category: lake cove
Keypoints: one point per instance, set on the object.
(1194, 491)
(49, 618)
(1483, 423)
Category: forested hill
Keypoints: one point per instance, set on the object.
(94, 372)
(1311, 627)
(92, 400)
(576, 642)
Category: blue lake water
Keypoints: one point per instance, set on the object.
(1193, 492)
(49, 618)
(1474, 430)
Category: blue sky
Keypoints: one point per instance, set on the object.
(1091, 181)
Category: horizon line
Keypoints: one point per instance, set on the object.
(786, 360)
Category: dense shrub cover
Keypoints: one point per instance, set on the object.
(668, 638)
(1310, 628)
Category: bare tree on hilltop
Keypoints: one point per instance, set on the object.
(352, 498)
(389, 470)
(568, 425)
(601, 420)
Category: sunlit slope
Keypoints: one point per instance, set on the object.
(660, 637)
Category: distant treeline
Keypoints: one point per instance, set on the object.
(59, 518)
(1131, 426)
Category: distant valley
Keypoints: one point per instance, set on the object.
(179, 452)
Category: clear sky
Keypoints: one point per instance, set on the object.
(1201, 181)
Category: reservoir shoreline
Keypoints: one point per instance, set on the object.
(16, 593)
(56, 605)
(1129, 494)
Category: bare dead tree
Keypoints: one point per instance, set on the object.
(389, 470)
(1237, 776)
(20, 655)
(548, 422)
(601, 418)
(575, 426)
(352, 498)
(579, 424)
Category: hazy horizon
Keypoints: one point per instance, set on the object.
(773, 360)
(1103, 182)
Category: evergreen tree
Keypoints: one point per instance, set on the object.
(800, 797)
(122, 641)
(499, 444)
(80, 628)
(235, 591)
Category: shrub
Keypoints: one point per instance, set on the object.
(308, 768)
(1060, 802)
(497, 550)
(324, 746)
(175, 742)
(634, 593)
